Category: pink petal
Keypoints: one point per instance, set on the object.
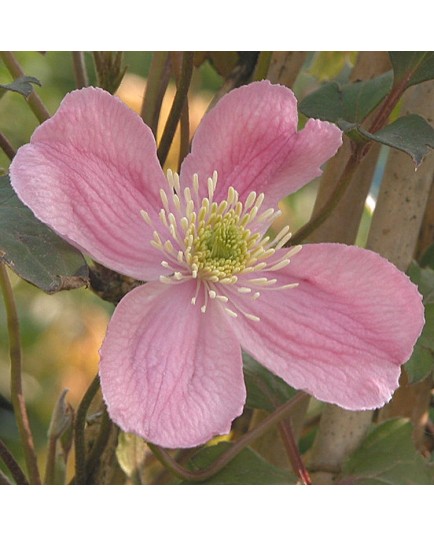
(343, 333)
(87, 173)
(170, 373)
(250, 138)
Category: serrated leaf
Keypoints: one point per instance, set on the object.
(388, 456)
(34, 251)
(411, 68)
(264, 389)
(22, 85)
(246, 468)
(349, 103)
(411, 134)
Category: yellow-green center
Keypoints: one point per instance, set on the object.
(221, 246)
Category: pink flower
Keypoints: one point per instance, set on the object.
(333, 320)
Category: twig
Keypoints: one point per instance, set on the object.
(294, 457)
(100, 443)
(177, 107)
(80, 71)
(12, 464)
(6, 146)
(184, 147)
(33, 99)
(51, 461)
(197, 476)
(156, 85)
(80, 423)
(330, 205)
(17, 395)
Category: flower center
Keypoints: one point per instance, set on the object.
(216, 243)
(221, 245)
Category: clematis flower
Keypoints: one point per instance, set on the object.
(336, 321)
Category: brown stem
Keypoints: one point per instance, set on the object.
(80, 72)
(185, 117)
(99, 444)
(12, 464)
(51, 461)
(391, 101)
(177, 107)
(4, 480)
(79, 427)
(33, 99)
(333, 200)
(156, 85)
(197, 476)
(294, 457)
(6, 146)
(17, 394)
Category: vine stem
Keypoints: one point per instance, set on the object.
(291, 447)
(177, 106)
(184, 122)
(80, 423)
(33, 99)
(333, 200)
(359, 151)
(12, 464)
(100, 443)
(80, 72)
(197, 476)
(50, 467)
(6, 146)
(156, 85)
(17, 395)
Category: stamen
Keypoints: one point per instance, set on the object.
(164, 200)
(216, 243)
(196, 183)
(250, 200)
(279, 265)
(210, 188)
(176, 183)
(146, 217)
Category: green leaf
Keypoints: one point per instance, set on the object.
(22, 85)
(264, 389)
(427, 258)
(423, 277)
(411, 68)
(246, 468)
(348, 103)
(388, 456)
(34, 251)
(411, 134)
(421, 363)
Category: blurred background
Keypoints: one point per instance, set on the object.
(61, 333)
